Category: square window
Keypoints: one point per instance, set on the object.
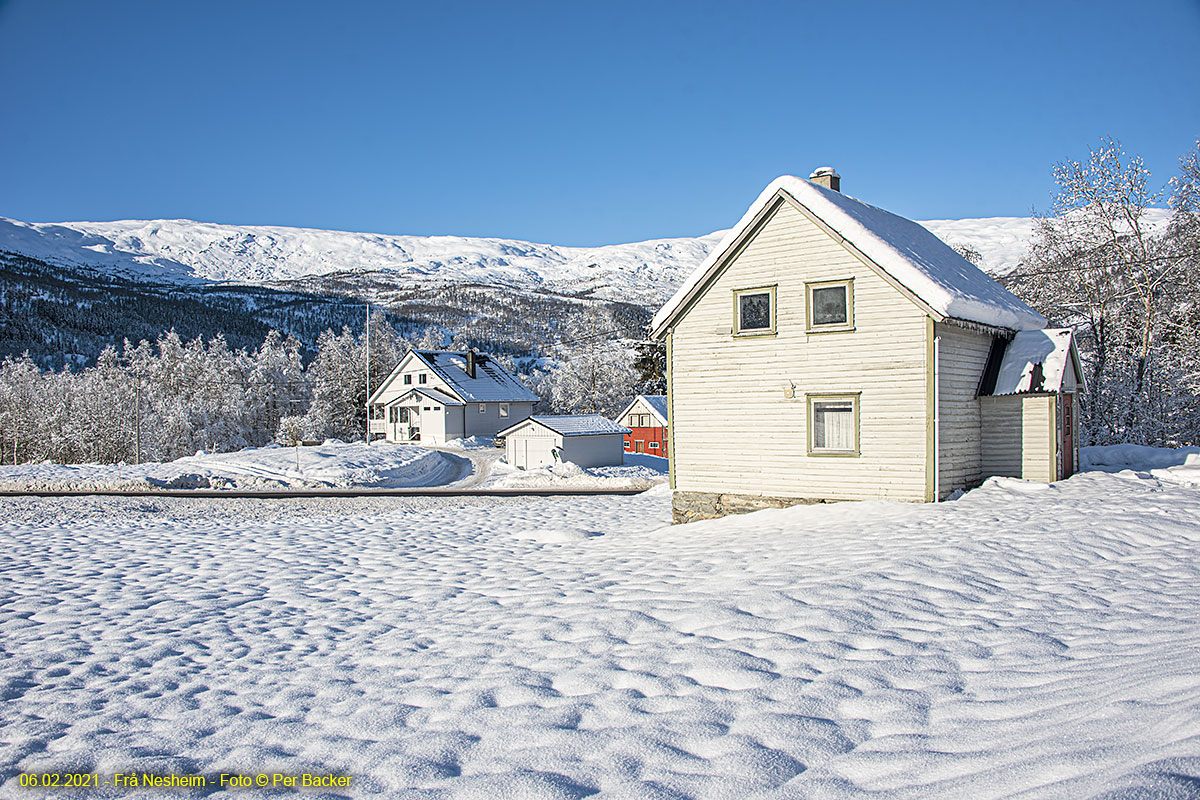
(504, 409)
(831, 306)
(833, 424)
(754, 311)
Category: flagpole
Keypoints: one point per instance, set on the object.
(368, 345)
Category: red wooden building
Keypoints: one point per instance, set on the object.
(646, 417)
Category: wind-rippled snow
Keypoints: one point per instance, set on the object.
(1027, 640)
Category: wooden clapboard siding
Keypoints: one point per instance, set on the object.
(1040, 436)
(1001, 449)
(732, 427)
(1018, 436)
(962, 356)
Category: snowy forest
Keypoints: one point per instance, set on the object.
(161, 401)
(1130, 290)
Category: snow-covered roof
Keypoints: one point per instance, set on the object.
(905, 250)
(657, 403)
(574, 424)
(432, 394)
(492, 382)
(1035, 361)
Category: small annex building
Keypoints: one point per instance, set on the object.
(646, 417)
(830, 350)
(1029, 420)
(588, 440)
(433, 396)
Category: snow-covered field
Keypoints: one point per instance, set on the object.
(1024, 641)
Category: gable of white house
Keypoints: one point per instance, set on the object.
(645, 412)
(746, 404)
(411, 373)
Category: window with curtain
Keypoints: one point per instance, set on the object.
(833, 423)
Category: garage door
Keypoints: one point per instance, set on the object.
(537, 453)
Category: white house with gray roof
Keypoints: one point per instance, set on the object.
(588, 440)
(433, 396)
(830, 350)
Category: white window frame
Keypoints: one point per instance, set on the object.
(854, 399)
(422, 378)
(653, 445)
(504, 409)
(738, 294)
(829, 327)
(408, 379)
(483, 408)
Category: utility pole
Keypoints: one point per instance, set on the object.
(368, 345)
(137, 430)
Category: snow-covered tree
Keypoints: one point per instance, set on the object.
(594, 371)
(650, 362)
(1095, 263)
(339, 381)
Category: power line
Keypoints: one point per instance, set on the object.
(1021, 271)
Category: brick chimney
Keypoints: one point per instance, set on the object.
(470, 363)
(827, 177)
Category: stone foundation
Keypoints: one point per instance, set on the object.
(692, 506)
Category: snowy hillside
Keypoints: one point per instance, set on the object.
(172, 250)
(645, 273)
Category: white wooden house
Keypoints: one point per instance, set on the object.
(588, 440)
(433, 396)
(829, 350)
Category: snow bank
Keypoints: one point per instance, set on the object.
(469, 443)
(1180, 465)
(1136, 456)
(637, 472)
(1026, 641)
(333, 464)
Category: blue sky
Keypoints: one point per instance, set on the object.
(572, 123)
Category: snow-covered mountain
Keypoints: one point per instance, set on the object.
(645, 273)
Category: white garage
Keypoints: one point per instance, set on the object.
(588, 440)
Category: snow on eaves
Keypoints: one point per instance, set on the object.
(577, 424)
(1034, 361)
(905, 250)
(433, 394)
(492, 382)
(657, 403)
